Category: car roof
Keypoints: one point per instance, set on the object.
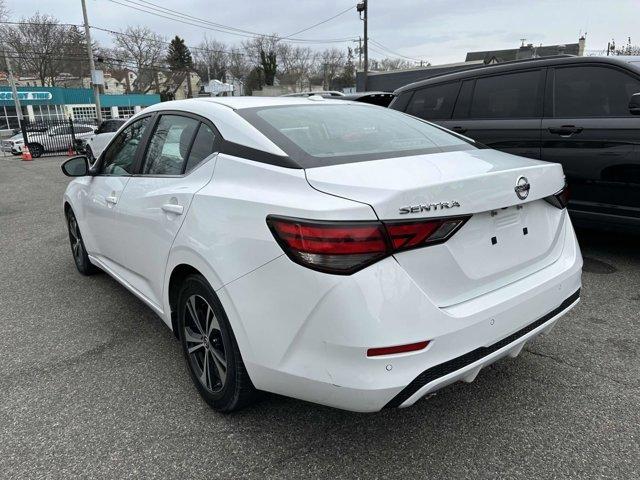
(353, 96)
(238, 103)
(516, 65)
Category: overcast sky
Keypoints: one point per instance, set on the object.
(438, 31)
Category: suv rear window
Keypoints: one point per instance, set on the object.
(434, 103)
(330, 134)
(513, 95)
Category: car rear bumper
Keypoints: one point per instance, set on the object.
(305, 334)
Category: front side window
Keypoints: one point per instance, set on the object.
(330, 134)
(434, 103)
(119, 158)
(514, 95)
(592, 92)
(169, 145)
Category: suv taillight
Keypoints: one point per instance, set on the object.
(559, 199)
(345, 247)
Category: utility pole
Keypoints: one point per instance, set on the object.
(360, 53)
(363, 9)
(14, 90)
(92, 67)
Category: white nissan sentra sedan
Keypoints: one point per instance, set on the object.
(331, 251)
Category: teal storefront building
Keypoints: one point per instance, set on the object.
(41, 103)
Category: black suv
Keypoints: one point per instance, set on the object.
(577, 111)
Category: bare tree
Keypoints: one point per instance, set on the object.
(303, 62)
(262, 52)
(211, 59)
(4, 10)
(144, 51)
(387, 64)
(238, 64)
(628, 49)
(38, 46)
(331, 63)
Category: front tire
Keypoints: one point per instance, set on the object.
(79, 252)
(210, 348)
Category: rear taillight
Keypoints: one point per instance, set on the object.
(346, 247)
(559, 199)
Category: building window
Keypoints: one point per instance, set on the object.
(126, 112)
(84, 113)
(9, 118)
(48, 112)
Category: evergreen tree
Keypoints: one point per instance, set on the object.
(180, 60)
(179, 56)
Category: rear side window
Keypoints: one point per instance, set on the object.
(513, 95)
(434, 103)
(169, 145)
(203, 146)
(591, 91)
(401, 101)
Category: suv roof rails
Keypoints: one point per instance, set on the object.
(524, 60)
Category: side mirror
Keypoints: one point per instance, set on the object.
(76, 167)
(634, 104)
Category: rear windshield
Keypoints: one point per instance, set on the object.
(330, 134)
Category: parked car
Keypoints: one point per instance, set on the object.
(382, 99)
(13, 144)
(94, 145)
(342, 253)
(322, 93)
(55, 139)
(582, 112)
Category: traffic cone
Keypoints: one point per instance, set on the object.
(71, 152)
(26, 154)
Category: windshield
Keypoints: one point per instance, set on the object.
(329, 134)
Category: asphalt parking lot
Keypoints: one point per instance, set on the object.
(92, 383)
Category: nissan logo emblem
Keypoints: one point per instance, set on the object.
(522, 188)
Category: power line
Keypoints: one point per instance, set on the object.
(394, 52)
(320, 23)
(189, 20)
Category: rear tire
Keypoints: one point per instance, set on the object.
(210, 348)
(36, 150)
(79, 252)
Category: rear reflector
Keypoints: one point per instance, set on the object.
(346, 247)
(412, 347)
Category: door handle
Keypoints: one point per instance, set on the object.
(565, 130)
(173, 208)
(459, 129)
(112, 199)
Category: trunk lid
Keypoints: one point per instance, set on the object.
(506, 238)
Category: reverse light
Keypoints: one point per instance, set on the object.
(345, 247)
(560, 198)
